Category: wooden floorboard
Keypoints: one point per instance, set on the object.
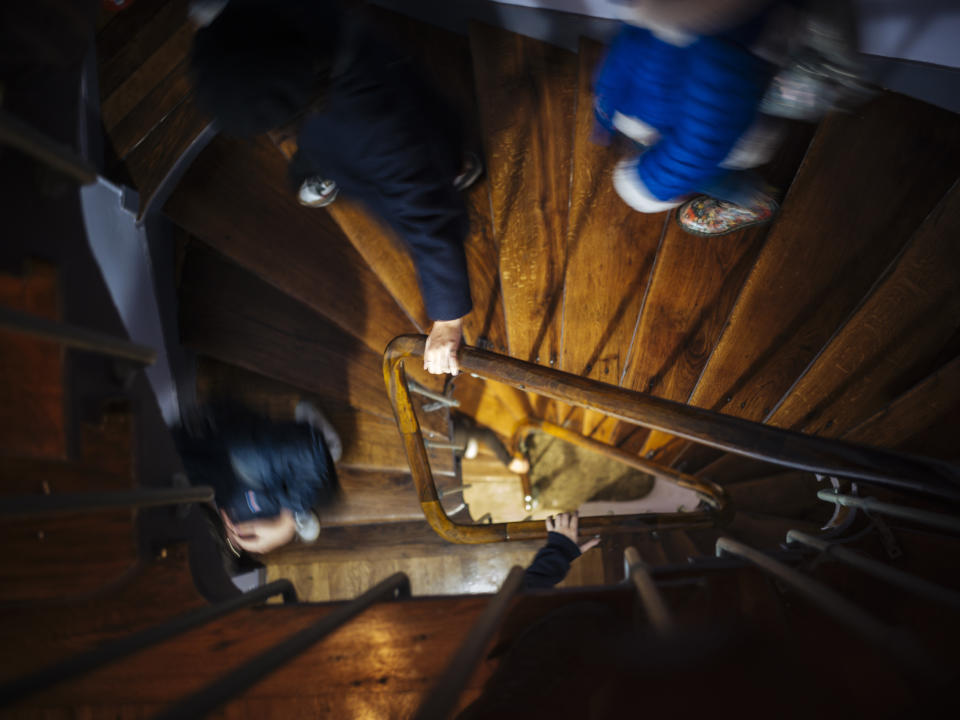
(526, 91)
(237, 198)
(610, 249)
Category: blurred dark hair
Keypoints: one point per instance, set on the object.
(260, 64)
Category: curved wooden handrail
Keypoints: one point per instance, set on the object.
(755, 440)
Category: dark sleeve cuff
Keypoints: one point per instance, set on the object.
(569, 549)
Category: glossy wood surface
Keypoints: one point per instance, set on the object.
(527, 94)
(610, 249)
(893, 340)
(229, 314)
(847, 216)
(237, 198)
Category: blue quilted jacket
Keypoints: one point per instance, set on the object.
(701, 98)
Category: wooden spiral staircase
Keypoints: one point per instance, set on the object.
(840, 319)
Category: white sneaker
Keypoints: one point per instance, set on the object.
(307, 412)
(307, 525)
(317, 192)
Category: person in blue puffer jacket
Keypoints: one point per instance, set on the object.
(687, 89)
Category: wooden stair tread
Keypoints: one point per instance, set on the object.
(527, 92)
(850, 186)
(891, 341)
(37, 635)
(414, 641)
(146, 96)
(610, 249)
(229, 314)
(237, 198)
(71, 555)
(610, 253)
(32, 393)
(928, 403)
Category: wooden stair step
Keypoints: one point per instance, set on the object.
(37, 634)
(32, 391)
(70, 555)
(237, 198)
(527, 93)
(610, 253)
(233, 316)
(892, 341)
(147, 104)
(694, 286)
(921, 420)
(805, 283)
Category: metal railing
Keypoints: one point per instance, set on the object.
(75, 337)
(443, 698)
(58, 503)
(239, 680)
(115, 650)
(749, 439)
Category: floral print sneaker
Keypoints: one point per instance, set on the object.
(708, 217)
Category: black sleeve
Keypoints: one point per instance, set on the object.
(385, 138)
(551, 563)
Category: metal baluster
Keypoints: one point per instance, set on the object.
(901, 647)
(443, 697)
(880, 570)
(657, 611)
(122, 647)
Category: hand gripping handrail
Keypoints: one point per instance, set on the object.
(755, 440)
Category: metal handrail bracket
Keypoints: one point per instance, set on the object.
(120, 648)
(749, 439)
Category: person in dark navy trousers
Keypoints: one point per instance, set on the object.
(368, 126)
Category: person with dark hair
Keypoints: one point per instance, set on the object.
(367, 126)
(269, 477)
